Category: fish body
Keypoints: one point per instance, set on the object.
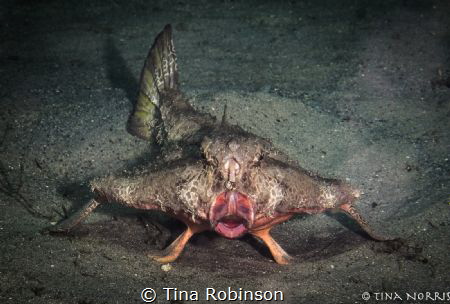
(233, 182)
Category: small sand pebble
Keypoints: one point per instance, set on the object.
(166, 267)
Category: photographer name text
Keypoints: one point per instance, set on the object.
(229, 294)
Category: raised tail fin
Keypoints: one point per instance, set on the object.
(159, 74)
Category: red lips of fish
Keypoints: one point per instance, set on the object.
(231, 214)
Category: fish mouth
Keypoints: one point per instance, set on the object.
(231, 226)
(231, 215)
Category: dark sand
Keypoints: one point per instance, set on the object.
(357, 90)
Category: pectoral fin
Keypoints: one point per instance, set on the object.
(174, 250)
(280, 256)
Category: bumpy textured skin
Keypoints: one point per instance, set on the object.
(230, 180)
(181, 188)
(190, 187)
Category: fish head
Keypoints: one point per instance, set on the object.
(232, 157)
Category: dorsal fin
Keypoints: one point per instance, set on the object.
(161, 64)
(159, 74)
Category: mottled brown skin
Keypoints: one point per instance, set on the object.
(236, 183)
